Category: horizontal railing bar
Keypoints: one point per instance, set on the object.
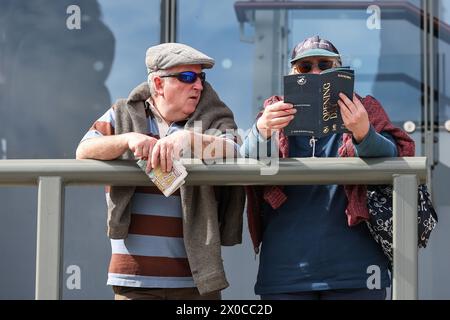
(243, 172)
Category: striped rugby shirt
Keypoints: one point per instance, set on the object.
(153, 255)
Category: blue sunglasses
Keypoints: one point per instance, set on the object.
(187, 76)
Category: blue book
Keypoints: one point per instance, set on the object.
(315, 97)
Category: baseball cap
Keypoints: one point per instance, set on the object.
(168, 55)
(314, 46)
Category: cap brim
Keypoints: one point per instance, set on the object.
(315, 53)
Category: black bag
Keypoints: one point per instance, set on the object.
(379, 202)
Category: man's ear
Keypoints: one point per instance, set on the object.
(159, 85)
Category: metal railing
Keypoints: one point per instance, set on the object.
(52, 176)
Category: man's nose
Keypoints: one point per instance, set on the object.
(198, 85)
(315, 69)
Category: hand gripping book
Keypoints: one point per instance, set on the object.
(315, 97)
(167, 182)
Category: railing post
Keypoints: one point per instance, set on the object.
(49, 238)
(405, 273)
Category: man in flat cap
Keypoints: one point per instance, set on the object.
(168, 248)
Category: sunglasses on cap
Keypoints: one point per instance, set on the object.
(187, 76)
(306, 66)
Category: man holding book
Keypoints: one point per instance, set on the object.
(168, 247)
(314, 245)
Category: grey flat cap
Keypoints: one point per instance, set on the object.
(167, 55)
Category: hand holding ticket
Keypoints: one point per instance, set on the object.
(167, 182)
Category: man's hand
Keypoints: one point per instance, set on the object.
(112, 147)
(168, 148)
(275, 116)
(140, 144)
(355, 116)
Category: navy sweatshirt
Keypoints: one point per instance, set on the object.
(307, 244)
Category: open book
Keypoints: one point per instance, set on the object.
(315, 97)
(167, 182)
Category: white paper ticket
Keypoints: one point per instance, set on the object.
(167, 182)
